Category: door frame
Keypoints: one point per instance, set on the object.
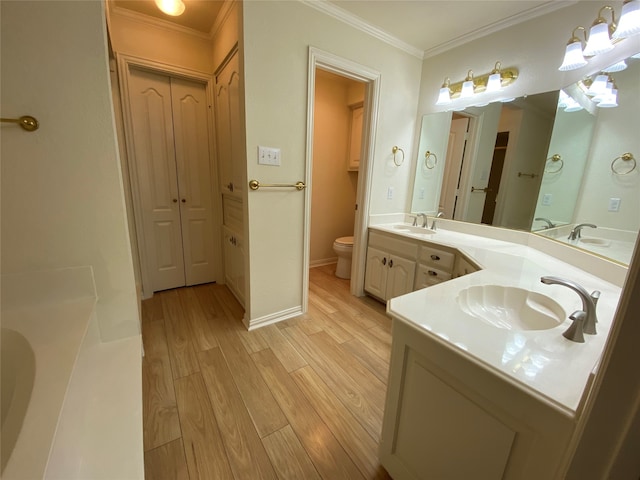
(371, 78)
(125, 63)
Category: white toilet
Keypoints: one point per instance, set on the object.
(343, 247)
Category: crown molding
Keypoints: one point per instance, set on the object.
(156, 22)
(358, 23)
(516, 19)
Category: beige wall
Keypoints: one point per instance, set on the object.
(334, 188)
(131, 37)
(62, 195)
(277, 36)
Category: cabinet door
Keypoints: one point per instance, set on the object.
(463, 267)
(229, 127)
(400, 277)
(355, 137)
(375, 278)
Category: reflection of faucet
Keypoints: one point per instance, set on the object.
(424, 219)
(433, 224)
(575, 233)
(549, 223)
(589, 302)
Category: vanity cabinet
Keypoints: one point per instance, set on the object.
(446, 416)
(464, 266)
(390, 266)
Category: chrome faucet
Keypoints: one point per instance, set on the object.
(433, 224)
(549, 223)
(424, 219)
(589, 301)
(575, 233)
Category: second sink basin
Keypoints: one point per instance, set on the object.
(413, 229)
(511, 308)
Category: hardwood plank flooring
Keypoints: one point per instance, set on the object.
(301, 399)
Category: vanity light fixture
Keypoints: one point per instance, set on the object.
(629, 20)
(473, 85)
(599, 85)
(171, 7)
(600, 34)
(616, 67)
(609, 99)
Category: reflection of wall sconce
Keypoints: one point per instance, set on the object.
(395, 150)
(602, 35)
(602, 90)
(493, 81)
(625, 157)
(428, 155)
(554, 163)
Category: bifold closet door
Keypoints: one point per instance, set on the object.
(171, 150)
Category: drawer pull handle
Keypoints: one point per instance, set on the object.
(390, 263)
(435, 257)
(384, 261)
(432, 273)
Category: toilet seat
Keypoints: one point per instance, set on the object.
(346, 241)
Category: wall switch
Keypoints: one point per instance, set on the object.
(421, 194)
(389, 193)
(614, 204)
(268, 156)
(546, 199)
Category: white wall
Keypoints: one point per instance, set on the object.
(62, 196)
(616, 132)
(277, 36)
(334, 188)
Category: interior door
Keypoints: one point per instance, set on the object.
(157, 181)
(189, 101)
(453, 165)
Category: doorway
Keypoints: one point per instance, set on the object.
(371, 80)
(169, 158)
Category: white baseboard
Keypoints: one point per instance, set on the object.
(274, 318)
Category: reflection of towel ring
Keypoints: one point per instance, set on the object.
(625, 157)
(395, 150)
(555, 158)
(427, 155)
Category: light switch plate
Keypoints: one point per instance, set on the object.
(268, 156)
(546, 199)
(614, 204)
(389, 193)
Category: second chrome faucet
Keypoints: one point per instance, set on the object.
(589, 303)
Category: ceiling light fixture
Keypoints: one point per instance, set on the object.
(491, 82)
(171, 7)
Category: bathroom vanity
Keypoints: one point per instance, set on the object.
(482, 383)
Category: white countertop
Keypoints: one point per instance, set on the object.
(542, 362)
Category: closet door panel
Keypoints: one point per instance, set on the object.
(191, 132)
(151, 111)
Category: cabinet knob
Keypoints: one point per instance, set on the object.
(384, 261)
(390, 263)
(175, 200)
(184, 200)
(230, 186)
(435, 257)
(432, 273)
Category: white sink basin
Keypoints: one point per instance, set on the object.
(511, 308)
(600, 242)
(412, 229)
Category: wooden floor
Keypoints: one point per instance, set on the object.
(301, 399)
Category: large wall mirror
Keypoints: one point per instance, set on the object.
(544, 163)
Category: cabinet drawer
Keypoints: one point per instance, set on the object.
(427, 275)
(436, 257)
(392, 244)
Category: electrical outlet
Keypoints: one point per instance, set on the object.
(614, 204)
(268, 156)
(389, 193)
(546, 199)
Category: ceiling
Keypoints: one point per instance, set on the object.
(428, 26)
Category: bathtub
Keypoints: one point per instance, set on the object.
(57, 377)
